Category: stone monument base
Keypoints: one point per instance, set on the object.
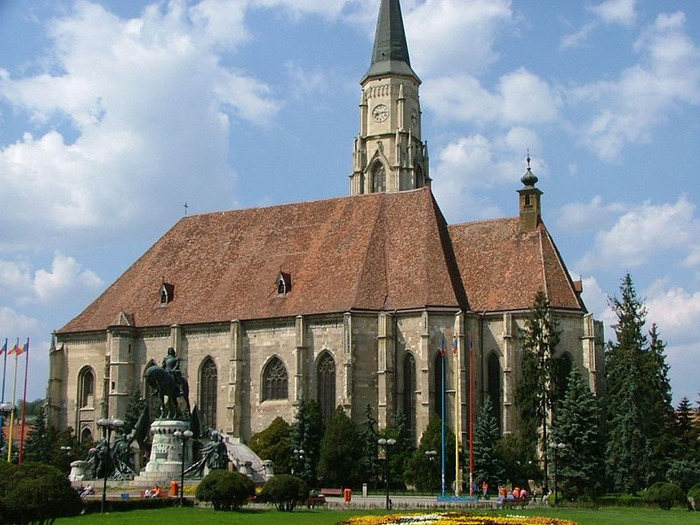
(165, 462)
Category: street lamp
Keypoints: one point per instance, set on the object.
(556, 447)
(5, 409)
(108, 425)
(386, 443)
(183, 437)
(298, 458)
(431, 455)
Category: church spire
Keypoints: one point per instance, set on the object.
(388, 153)
(390, 53)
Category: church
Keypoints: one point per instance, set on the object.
(349, 301)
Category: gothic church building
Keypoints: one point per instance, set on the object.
(347, 301)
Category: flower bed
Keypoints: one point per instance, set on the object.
(453, 518)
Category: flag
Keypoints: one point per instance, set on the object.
(470, 342)
(442, 346)
(4, 348)
(22, 349)
(15, 349)
(454, 345)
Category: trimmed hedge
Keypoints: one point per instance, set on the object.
(665, 495)
(285, 491)
(226, 490)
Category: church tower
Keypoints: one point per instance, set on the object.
(388, 154)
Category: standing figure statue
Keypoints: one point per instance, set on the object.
(167, 381)
(214, 455)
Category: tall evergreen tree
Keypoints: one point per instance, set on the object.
(487, 464)
(537, 384)
(687, 432)
(39, 444)
(638, 398)
(401, 451)
(577, 425)
(306, 434)
(340, 452)
(369, 464)
(424, 473)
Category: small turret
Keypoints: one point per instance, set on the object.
(530, 209)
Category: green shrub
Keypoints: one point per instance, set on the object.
(694, 497)
(663, 494)
(225, 490)
(285, 492)
(36, 493)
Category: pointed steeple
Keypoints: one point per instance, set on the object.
(390, 53)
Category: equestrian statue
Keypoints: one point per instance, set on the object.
(167, 381)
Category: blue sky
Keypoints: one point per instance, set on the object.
(115, 113)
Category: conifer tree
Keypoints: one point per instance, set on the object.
(273, 443)
(638, 398)
(487, 464)
(577, 425)
(537, 383)
(369, 464)
(38, 446)
(422, 472)
(687, 433)
(306, 434)
(340, 452)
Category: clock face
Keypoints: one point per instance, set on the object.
(380, 112)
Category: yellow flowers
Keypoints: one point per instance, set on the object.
(453, 518)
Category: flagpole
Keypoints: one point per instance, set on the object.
(4, 370)
(24, 403)
(458, 419)
(442, 410)
(471, 415)
(12, 414)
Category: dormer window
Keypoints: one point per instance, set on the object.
(284, 283)
(166, 293)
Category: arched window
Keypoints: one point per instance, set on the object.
(325, 380)
(494, 386)
(439, 387)
(208, 385)
(378, 178)
(409, 390)
(86, 388)
(86, 436)
(275, 382)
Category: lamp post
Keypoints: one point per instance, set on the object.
(556, 447)
(298, 458)
(386, 443)
(5, 409)
(431, 455)
(108, 425)
(183, 437)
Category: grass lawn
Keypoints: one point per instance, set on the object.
(195, 516)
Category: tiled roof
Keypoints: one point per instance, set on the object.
(502, 268)
(383, 251)
(377, 251)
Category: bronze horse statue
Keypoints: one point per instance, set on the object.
(164, 384)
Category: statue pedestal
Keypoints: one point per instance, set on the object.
(80, 470)
(165, 462)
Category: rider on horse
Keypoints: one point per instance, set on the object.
(172, 364)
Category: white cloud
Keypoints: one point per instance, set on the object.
(577, 39)
(642, 232)
(455, 34)
(628, 110)
(589, 216)
(48, 287)
(520, 98)
(13, 323)
(149, 103)
(621, 12)
(468, 165)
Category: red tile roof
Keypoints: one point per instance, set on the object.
(383, 251)
(502, 269)
(378, 251)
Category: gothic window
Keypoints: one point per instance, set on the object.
(86, 386)
(284, 282)
(378, 178)
(166, 293)
(494, 385)
(275, 381)
(438, 385)
(409, 390)
(208, 379)
(86, 436)
(325, 375)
